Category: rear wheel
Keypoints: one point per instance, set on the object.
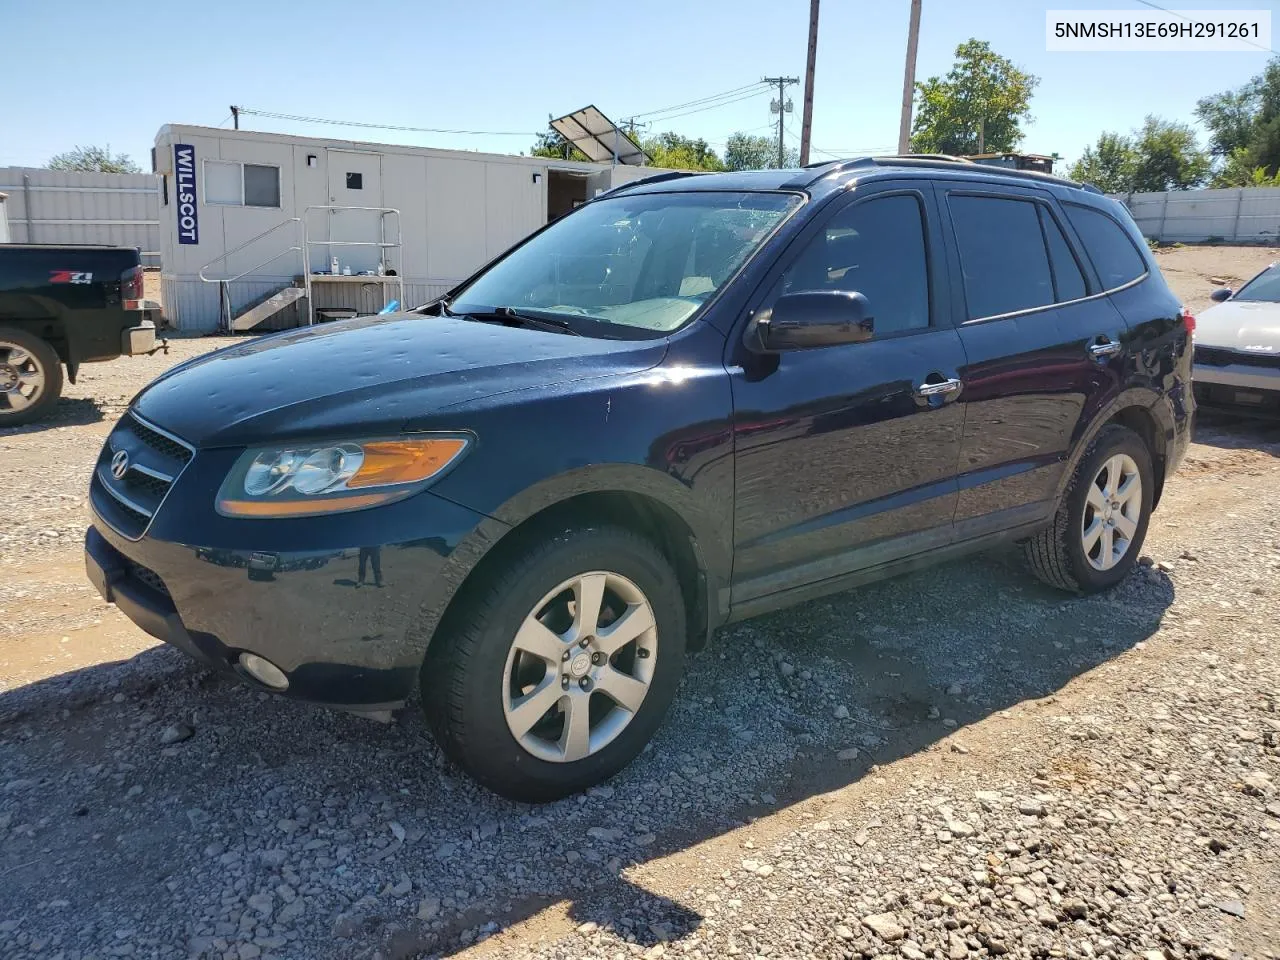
(30, 377)
(558, 669)
(1101, 522)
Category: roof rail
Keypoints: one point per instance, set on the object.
(938, 157)
(656, 178)
(936, 160)
(826, 169)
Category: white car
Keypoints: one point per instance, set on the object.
(1237, 348)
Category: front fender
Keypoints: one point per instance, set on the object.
(710, 544)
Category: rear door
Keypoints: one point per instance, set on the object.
(846, 455)
(1045, 352)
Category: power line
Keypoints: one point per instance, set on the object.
(713, 106)
(700, 100)
(383, 126)
(1180, 16)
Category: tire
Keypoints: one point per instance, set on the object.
(27, 362)
(476, 672)
(1058, 555)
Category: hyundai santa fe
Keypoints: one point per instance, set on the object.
(695, 399)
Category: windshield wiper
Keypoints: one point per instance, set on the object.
(519, 318)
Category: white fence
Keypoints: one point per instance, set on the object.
(1233, 215)
(50, 206)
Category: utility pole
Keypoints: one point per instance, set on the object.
(781, 107)
(909, 80)
(806, 126)
(235, 117)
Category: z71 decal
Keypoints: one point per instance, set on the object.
(70, 276)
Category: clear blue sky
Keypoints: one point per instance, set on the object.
(93, 72)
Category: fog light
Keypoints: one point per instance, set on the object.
(264, 671)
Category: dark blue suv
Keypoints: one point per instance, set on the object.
(693, 400)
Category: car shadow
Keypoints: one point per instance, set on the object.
(404, 855)
(67, 412)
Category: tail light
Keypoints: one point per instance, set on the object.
(131, 288)
(1188, 320)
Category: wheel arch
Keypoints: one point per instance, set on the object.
(641, 500)
(1140, 412)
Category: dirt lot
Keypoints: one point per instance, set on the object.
(957, 763)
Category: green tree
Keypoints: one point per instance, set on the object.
(979, 106)
(1167, 156)
(676, 152)
(1108, 165)
(743, 151)
(1229, 117)
(553, 146)
(93, 160)
(1244, 128)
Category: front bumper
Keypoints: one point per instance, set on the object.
(1239, 388)
(339, 622)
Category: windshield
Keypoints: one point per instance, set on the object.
(645, 262)
(1265, 286)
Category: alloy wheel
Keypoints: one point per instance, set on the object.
(22, 378)
(1112, 511)
(579, 667)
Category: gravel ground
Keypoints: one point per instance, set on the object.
(952, 764)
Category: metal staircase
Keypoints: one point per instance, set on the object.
(250, 318)
(291, 292)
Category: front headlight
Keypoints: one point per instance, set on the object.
(304, 480)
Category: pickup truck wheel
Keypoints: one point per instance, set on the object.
(30, 377)
(560, 667)
(1101, 522)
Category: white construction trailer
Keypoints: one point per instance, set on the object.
(252, 223)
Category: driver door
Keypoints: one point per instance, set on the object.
(846, 456)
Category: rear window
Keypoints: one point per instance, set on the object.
(1002, 255)
(1113, 253)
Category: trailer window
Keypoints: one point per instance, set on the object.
(261, 186)
(231, 183)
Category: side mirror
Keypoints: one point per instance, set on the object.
(1221, 294)
(812, 318)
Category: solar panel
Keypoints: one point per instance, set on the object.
(598, 137)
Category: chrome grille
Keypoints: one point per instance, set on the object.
(1224, 357)
(148, 461)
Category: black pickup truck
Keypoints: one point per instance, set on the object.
(65, 305)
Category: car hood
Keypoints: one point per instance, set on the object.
(380, 373)
(1240, 325)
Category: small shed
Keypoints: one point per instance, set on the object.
(1038, 162)
(251, 223)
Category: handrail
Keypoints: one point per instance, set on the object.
(308, 243)
(303, 248)
(233, 250)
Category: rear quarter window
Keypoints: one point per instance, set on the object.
(1108, 245)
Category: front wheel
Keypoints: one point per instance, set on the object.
(30, 377)
(1101, 522)
(559, 667)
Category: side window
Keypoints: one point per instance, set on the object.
(1002, 254)
(1067, 278)
(876, 247)
(1113, 254)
